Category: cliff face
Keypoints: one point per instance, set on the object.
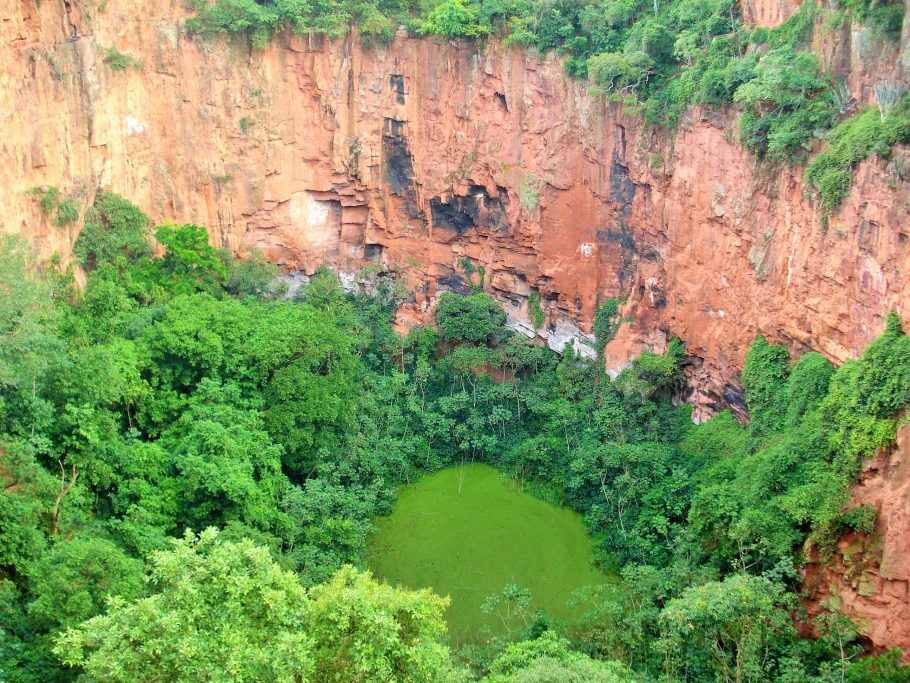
(868, 578)
(422, 153)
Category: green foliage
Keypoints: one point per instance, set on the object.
(368, 631)
(783, 105)
(113, 228)
(190, 262)
(252, 275)
(884, 668)
(855, 139)
(606, 324)
(67, 212)
(476, 318)
(117, 60)
(807, 385)
(260, 21)
(764, 376)
(454, 19)
(728, 628)
(650, 373)
(550, 658)
(535, 311)
(71, 582)
(812, 427)
(885, 17)
(220, 611)
(51, 200)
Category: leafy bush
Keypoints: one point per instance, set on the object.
(454, 19)
(764, 376)
(118, 61)
(783, 107)
(67, 212)
(113, 228)
(536, 312)
(884, 668)
(885, 17)
(51, 200)
(606, 323)
(855, 139)
(476, 318)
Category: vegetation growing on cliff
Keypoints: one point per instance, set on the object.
(869, 132)
(179, 391)
(657, 58)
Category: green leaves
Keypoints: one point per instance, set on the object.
(190, 262)
(455, 19)
(728, 628)
(783, 111)
(225, 611)
(220, 612)
(476, 318)
(113, 228)
(367, 631)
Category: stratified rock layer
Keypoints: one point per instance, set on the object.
(424, 153)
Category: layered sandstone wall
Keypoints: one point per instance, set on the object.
(422, 153)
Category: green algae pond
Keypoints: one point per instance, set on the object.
(468, 531)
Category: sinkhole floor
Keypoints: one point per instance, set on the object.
(467, 531)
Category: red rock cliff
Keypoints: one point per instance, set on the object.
(423, 153)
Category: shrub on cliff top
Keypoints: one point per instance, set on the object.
(855, 139)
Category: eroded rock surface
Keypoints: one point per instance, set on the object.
(424, 153)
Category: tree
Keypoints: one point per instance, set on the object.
(476, 318)
(548, 659)
(512, 606)
(114, 228)
(220, 612)
(71, 582)
(454, 19)
(226, 467)
(190, 263)
(727, 630)
(367, 631)
(764, 376)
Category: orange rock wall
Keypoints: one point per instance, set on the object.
(426, 152)
(869, 577)
(423, 153)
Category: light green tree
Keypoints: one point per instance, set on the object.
(549, 659)
(368, 631)
(222, 612)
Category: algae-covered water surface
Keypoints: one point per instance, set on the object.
(468, 531)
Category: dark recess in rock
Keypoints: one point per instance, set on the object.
(624, 237)
(398, 165)
(735, 399)
(622, 191)
(477, 209)
(455, 282)
(396, 83)
(501, 100)
(372, 252)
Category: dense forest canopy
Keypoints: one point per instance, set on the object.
(191, 463)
